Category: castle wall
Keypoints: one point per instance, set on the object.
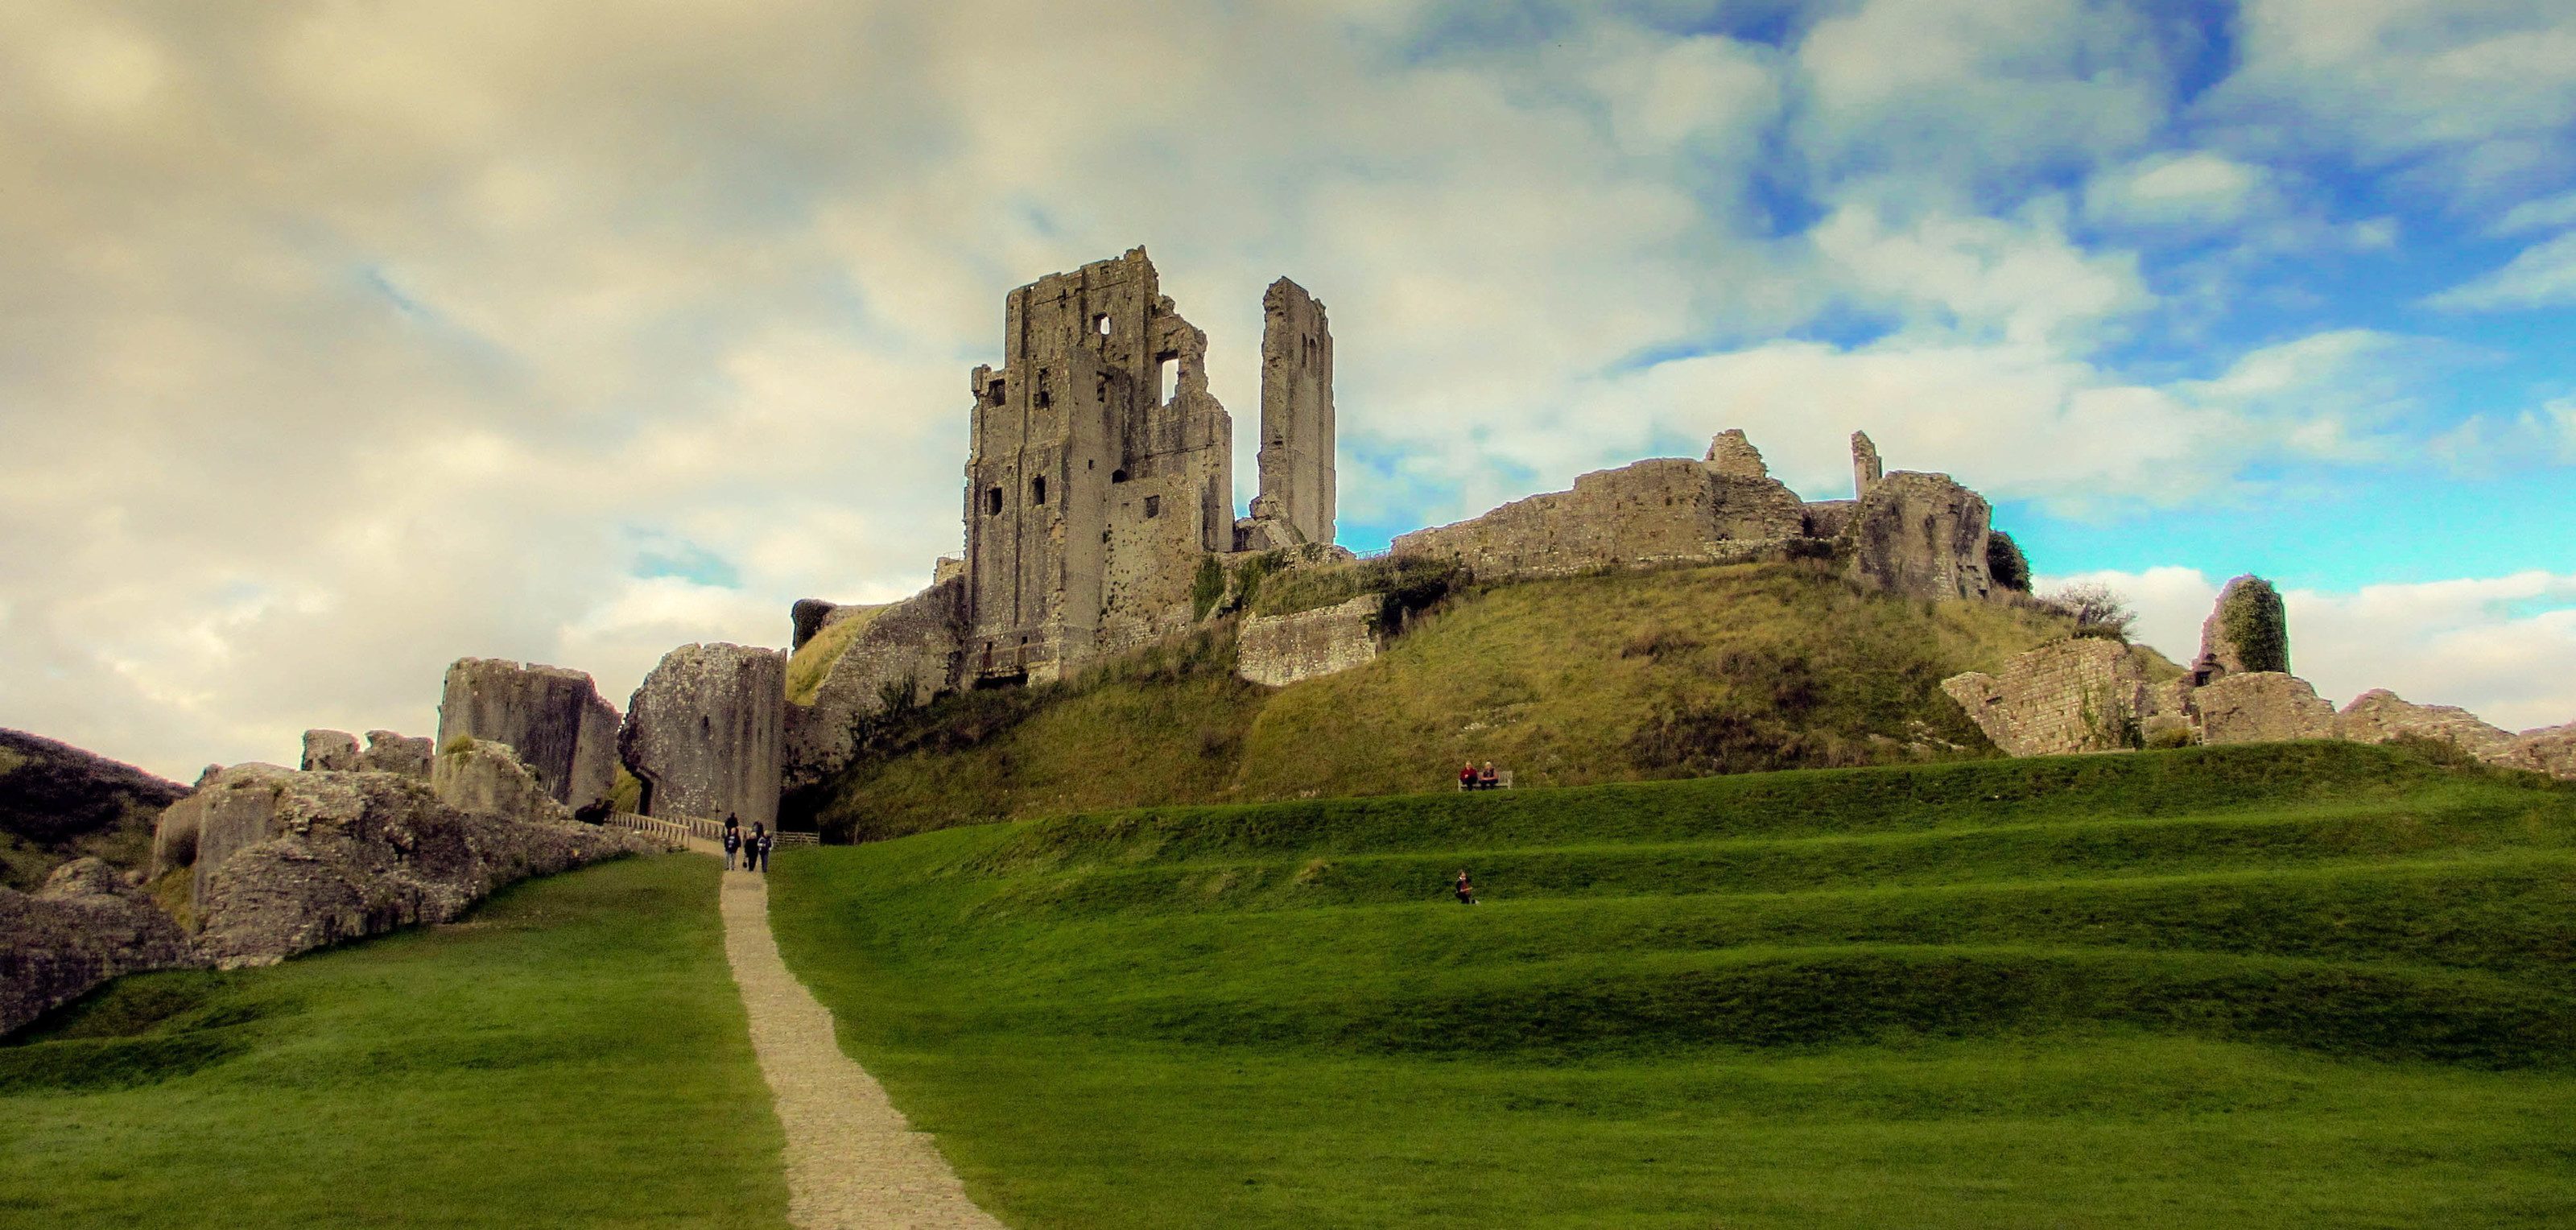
(1920, 535)
(2079, 695)
(1296, 459)
(1666, 509)
(705, 732)
(1279, 650)
(552, 717)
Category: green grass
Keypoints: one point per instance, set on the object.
(571, 1054)
(812, 661)
(2308, 984)
(1612, 677)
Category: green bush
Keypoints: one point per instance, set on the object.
(2252, 616)
(2005, 562)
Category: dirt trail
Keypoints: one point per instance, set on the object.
(852, 1160)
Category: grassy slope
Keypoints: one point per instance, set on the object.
(1588, 679)
(58, 803)
(571, 1054)
(2299, 985)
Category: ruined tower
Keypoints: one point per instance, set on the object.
(1866, 470)
(1101, 474)
(1297, 488)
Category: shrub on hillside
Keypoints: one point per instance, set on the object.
(2096, 608)
(2006, 564)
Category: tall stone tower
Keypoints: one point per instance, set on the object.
(1101, 474)
(1297, 486)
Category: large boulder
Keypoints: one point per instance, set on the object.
(2379, 715)
(398, 754)
(288, 861)
(487, 778)
(86, 925)
(554, 718)
(1920, 535)
(333, 750)
(2262, 707)
(706, 730)
(905, 653)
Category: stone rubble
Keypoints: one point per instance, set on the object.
(89, 923)
(1278, 650)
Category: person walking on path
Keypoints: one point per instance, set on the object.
(755, 853)
(1466, 890)
(732, 842)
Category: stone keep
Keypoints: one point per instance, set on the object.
(1921, 535)
(705, 733)
(1296, 459)
(552, 717)
(1101, 472)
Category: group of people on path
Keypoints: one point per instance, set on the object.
(754, 847)
(1473, 778)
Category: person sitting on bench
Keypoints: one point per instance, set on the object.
(1488, 779)
(1467, 776)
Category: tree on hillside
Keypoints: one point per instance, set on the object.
(2098, 609)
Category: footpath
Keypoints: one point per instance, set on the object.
(852, 1159)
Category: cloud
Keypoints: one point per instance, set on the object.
(2544, 214)
(2198, 188)
(2022, 283)
(2540, 276)
(2503, 648)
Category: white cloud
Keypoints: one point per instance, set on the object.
(2503, 648)
(2021, 283)
(2544, 214)
(2198, 188)
(2543, 275)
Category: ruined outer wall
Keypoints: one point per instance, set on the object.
(914, 643)
(1921, 535)
(2262, 707)
(2073, 696)
(1279, 650)
(1667, 509)
(1297, 412)
(552, 717)
(705, 732)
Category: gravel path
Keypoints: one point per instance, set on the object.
(852, 1161)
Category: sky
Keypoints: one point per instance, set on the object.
(339, 340)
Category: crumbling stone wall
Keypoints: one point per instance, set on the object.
(1866, 468)
(231, 810)
(705, 732)
(1667, 509)
(910, 649)
(1731, 455)
(2550, 750)
(1296, 458)
(2262, 707)
(1920, 535)
(2085, 694)
(400, 754)
(2379, 715)
(554, 718)
(487, 778)
(88, 924)
(1279, 650)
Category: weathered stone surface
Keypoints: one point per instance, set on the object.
(706, 733)
(1298, 488)
(1827, 519)
(1730, 455)
(2086, 694)
(86, 925)
(2220, 654)
(1920, 535)
(1866, 468)
(403, 755)
(1664, 510)
(554, 718)
(335, 750)
(2379, 715)
(487, 778)
(909, 650)
(2550, 750)
(354, 854)
(1279, 650)
(231, 810)
(805, 619)
(2262, 707)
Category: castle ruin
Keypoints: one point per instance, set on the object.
(1102, 471)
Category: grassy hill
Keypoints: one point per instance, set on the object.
(572, 1053)
(58, 803)
(1612, 677)
(2308, 984)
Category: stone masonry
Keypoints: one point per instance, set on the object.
(86, 925)
(554, 718)
(1664, 510)
(1279, 650)
(1866, 469)
(705, 732)
(2262, 707)
(1921, 535)
(330, 749)
(2379, 715)
(1296, 459)
(2085, 694)
(909, 649)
